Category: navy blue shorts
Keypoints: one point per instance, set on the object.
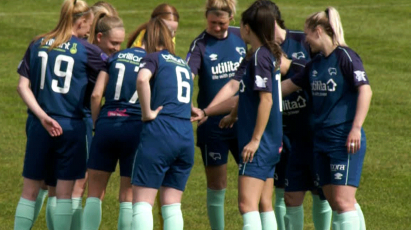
(55, 158)
(252, 169)
(332, 161)
(215, 143)
(165, 155)
(281, 167)
(115, 140)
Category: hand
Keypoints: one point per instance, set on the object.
(196, 114)
(202, 121)
(151, 115)
(354, 140)
(227, 121)
(52, 126)
(249, 151)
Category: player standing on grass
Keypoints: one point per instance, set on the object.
(341, 97)
(165, 155)
(53, 77)
(215, 56)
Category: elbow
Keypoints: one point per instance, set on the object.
(96, 97)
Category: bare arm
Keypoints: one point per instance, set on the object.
(363, 104)
(144, 95)
(288, 87)
(51, 125)
(97, 94)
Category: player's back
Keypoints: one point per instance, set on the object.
(121, 95)
(171, 84)
(59, 77)
(295, 45)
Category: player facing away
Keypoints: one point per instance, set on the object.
(53, 78)
(215, 56)
(341, 96)
(117, 134)
(165, 155)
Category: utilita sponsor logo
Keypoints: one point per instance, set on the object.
(225, 67)
(292, 105)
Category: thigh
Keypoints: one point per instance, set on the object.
(249, 193)
(129, 144)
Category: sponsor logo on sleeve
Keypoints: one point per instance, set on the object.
(260, 82)
(360, 75)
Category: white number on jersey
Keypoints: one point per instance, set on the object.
(121, 70)
(280, 96)
(183, 84)
(67, 74)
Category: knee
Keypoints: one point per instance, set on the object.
(342, 204)
(266, 204)
(293, 200)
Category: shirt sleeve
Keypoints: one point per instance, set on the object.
(96, 62)
(241, 70)
(150, 62)
(301, 79)
(353, 69)
(263, 66)
(193, 58)
(24, 66)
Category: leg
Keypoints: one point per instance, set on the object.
(40, 200)
(249, 194)
(143, 200)
(51, 207)
(294, 218)
(171, 208)
(267, 216)
(126, 208)
(361, 216)
(97, 186)
(77, 198)
(216, 185)
(64, 211)
(342, 200)
(322, 212)
(25, 208)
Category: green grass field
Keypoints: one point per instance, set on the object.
(378, 30)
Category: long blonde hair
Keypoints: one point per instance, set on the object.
(102, 6)
(71, 11)
(331, 22)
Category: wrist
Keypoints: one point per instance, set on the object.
(204, 112)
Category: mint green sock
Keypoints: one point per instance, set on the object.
(321, 213)
(172, 216)
(39, 203)
(252, 221)
(294, 218)
(279, 208)
(50, 209)
(215, 208)
(268, 221)
(24, 214)
(346, 221)
(361, 216)
(63, 214)
(77, 208)
(125, 216)
(92, 214)
(142, 216)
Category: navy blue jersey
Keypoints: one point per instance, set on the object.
(295, 45)
(171, 84)
(121, 95)
(333, 83)
(215, 61)
(59, 77)
(261, 75)
(296, 106)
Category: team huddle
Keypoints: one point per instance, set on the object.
(289, 106)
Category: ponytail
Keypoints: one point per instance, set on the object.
(103, 23)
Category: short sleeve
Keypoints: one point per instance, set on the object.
(96, 62)
(150, 62)
(241, 70)
(301, 79)
(352, 68)
(24, 66)
(263, 67)
(193, 58)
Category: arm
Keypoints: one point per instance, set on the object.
(24, 90)
(229, 120)
(363, 104)
(288, 87)
(144, 95)
(224, 107)
(97, 94)
(264, 109)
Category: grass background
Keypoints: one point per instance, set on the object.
(378, 30)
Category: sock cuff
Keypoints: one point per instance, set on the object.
(209, 190)
(43, 192)
(142, 205)
(279, 191)
(353, 213)
(251, 214)
(126, 205)
(171, 210)
(64, 201)
(357, 206)
(93, 200)
(267, 213)
(294, 209)
(27, 202)
(52, 201)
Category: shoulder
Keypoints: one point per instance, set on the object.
(198, 41)
(234, 30)
(262, 56)
(346, 54)
(296, 35)
(91, 49)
